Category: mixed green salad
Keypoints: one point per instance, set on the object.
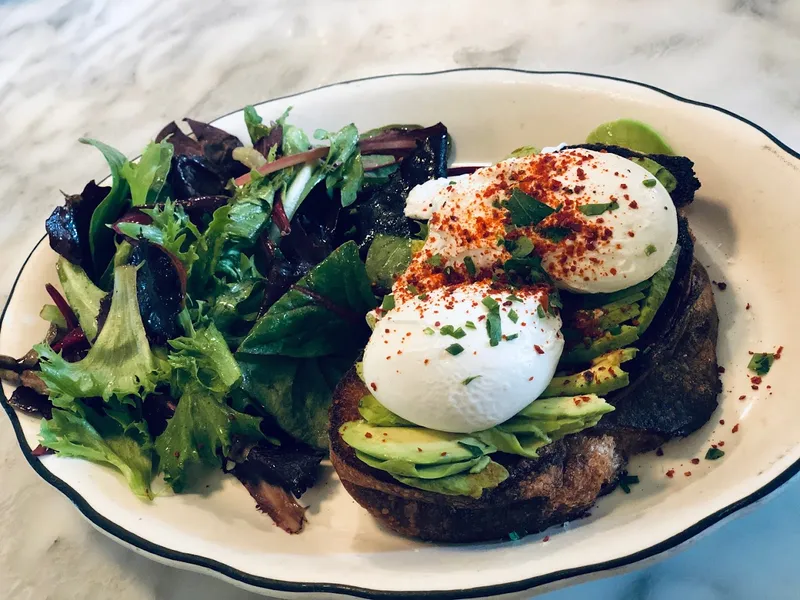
(214, 294)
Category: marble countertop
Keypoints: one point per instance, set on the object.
(118, 71)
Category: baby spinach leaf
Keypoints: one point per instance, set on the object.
(388, 256)
(323, 314)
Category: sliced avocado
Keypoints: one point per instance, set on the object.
(619, 315)
(567, 407)
(523, 444)
(522, 152)
(376, 413)
(631, 134)
(602, 300)
(83, 296)
(604, 376)
(463, 484)
(360, 370)
(409, 469)
(666, 178)
(414, 444)
(626, 301)
(627, 335)
(658, 290)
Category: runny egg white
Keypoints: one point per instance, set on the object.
(472, 386)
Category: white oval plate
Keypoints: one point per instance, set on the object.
(743, 219)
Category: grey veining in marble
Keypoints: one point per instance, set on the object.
(117, 71)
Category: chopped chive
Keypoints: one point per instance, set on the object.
(469, 380)
(512, 314)
(513, 336)
(761, 363)
(626, 481)
(452, 182)
(470, 325)
(412, 288)
(453, 332)
(513, 298)
(423, 296)
(388, 302)
(650, 249)
(454, 349)
(591, 210)
(650, 183)
(428, 331)
(714, 454)
(470, 265)
(435, 260)
(489, 303)
(540, 312)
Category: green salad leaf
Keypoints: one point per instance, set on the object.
(146, 178)
(255, 124)
(204, 358)
(526, 210)
(388, 257)
(201, 430)
(322, 315)
(83, 296)
(119, 443)
(120, 363)
(101, 238)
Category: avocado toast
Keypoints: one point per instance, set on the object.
(660, 383)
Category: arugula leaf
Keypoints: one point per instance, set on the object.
(254, 123)
(201, 429)
(526, 210)
(761, 362)
(295, 392)
(120, 363)
(209, 250)
(83, 296)
(592, 210)
(203, 357)
(388, 257)
(322, 314)
(147, 177)
(101, 238)
(104, 440)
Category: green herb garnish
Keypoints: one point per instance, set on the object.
(650, 249)
(470, 325)
(526, 210)
(412, 289)
(540, 312)
(494, 327)
(555, 234)
(626, 481)
(423, 296)
(513, 298)
(454, 349)
(435, 260)
(522, 248)
(513, 336)
(428, 331)
(761, 362)
(714, 454)
(650, 183)
(469, 380)
(470, 266)
(512, 314)
(452, 331)
(388, 302)
(592, 210)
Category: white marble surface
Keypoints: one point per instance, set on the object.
(118, 71)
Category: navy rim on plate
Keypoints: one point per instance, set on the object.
(277, 585)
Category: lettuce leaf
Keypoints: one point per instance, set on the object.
(117, 442)
(255, 124)
(203, 358)
(120, 363)
(146, 177)
(388, 256)
(83, 296)
(200, 432)
(101, 238)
